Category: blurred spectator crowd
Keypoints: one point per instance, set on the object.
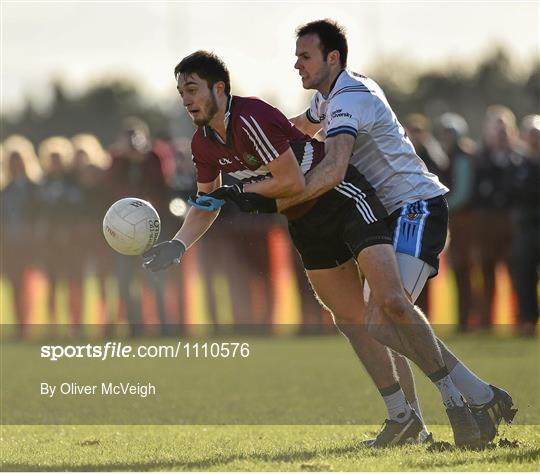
(54, 199)
(494, 205)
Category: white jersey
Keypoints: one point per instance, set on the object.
(382, 152)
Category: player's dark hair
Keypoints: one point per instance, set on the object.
(331, 35)
(207, 66)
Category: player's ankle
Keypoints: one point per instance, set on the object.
(396, 404)
(478, 401)
(403, 416)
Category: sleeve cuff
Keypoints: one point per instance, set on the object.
(311, 118)
(343, 129)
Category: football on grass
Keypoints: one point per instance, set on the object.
(131, 226)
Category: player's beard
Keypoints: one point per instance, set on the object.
(211, 107)
(319, 78)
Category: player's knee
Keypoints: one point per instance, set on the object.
(343, 314)
(351, 327)
(396, 306)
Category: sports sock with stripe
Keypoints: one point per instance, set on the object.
(396, 404)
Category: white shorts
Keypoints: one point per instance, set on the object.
(414, 275)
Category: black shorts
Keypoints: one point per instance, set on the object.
(420, 228)
(344, 221)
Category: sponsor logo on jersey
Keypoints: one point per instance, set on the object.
(340, 113)
(225, 161)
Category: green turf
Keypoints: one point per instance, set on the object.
(246, 448)
(311, 386)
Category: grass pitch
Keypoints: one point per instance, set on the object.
(247, 448)
(511, 363)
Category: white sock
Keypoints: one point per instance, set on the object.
(416, 407)
(449, 393)
(397, 406)
(474, 389)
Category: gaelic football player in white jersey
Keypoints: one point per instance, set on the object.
(361, 129)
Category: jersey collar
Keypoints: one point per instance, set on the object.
(333, 84)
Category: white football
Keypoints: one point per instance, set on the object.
(131, 226)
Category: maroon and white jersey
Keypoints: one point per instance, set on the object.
(257, 133)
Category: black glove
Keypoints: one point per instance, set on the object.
(163, 255)
(246, 202)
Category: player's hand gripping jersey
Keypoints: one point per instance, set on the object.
(382, 152)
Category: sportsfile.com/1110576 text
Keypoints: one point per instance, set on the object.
(119, 350)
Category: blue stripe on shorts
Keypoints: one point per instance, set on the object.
(410, 228)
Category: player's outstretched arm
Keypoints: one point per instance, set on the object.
(197, 222)
(328, 174)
